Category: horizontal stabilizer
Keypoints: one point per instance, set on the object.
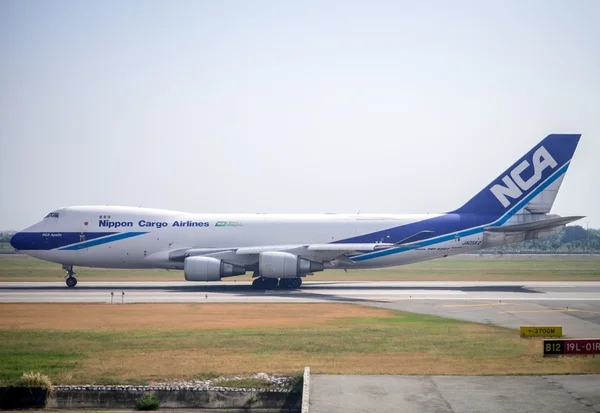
(531, 226)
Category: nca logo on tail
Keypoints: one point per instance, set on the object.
(517, 185)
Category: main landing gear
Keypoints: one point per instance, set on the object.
(262, 283)
(69, 279)
(290, 282)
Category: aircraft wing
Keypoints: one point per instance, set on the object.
(319, 252)
(339, 248)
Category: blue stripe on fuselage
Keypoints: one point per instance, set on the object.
(451, 227)
(101, 241)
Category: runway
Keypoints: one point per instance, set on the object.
(574, 305)
(454, 394)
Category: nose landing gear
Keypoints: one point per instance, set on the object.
(69, 279)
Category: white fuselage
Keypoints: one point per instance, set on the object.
(154, 233)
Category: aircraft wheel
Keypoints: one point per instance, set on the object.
(259, 283)
(285, 283)
(271, 283)
(71, 282)
(296, 282)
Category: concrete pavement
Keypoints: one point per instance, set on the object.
(454, 394)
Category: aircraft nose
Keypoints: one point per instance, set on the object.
(19, 241)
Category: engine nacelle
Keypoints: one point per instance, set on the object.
(209, 269)
(276, 264)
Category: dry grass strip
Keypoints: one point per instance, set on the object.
(176, 316)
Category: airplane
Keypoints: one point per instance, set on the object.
(282, 249)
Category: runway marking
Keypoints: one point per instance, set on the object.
(481, 305)
(548, 309)
(537, 311)
(551, 310)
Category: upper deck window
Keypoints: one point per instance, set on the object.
(52, 215)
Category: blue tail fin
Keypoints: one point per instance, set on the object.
(531, 181)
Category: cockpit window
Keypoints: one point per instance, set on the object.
(52, 215)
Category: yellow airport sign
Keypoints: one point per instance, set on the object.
(541, 331)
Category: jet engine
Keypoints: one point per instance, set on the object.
(209, 269)
(277, 264)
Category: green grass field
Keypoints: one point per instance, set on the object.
(459, 268)
(358, 340)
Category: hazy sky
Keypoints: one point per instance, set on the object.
(289, 106)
